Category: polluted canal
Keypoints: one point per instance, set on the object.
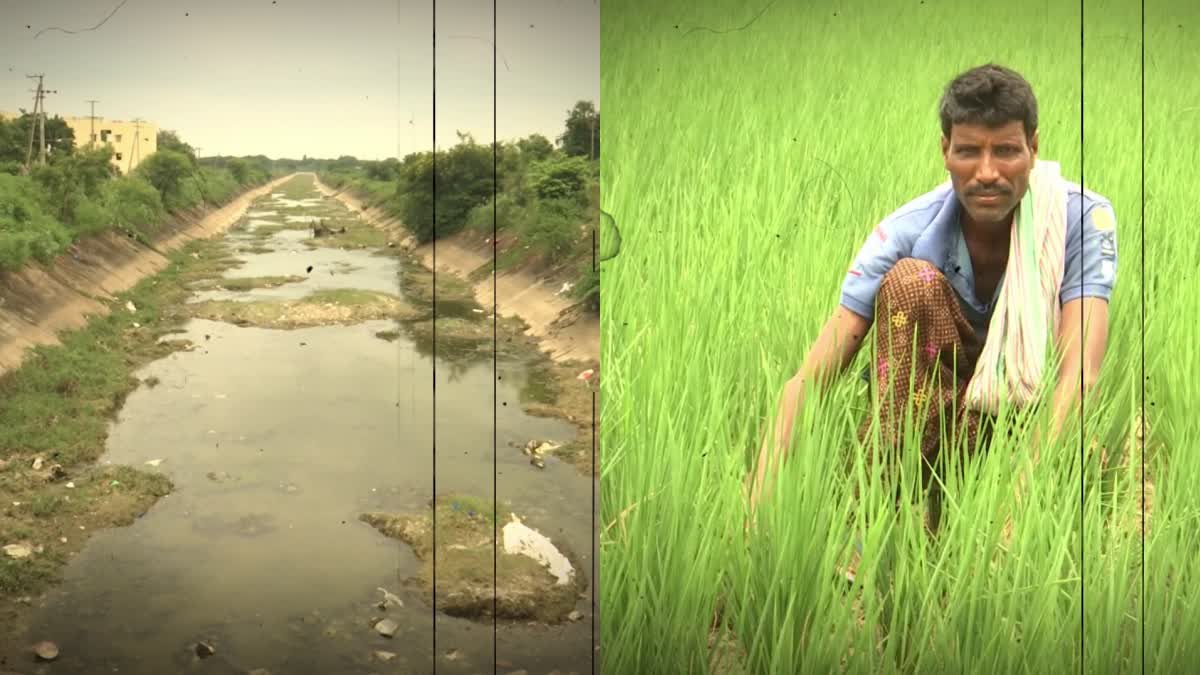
(296, 423)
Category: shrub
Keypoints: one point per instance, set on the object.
(508, 215)
(135, 205)
(551, 227)
(26, 230)
(186, 196)
(216, 186)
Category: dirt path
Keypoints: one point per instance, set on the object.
(564, 332)
(39, 301)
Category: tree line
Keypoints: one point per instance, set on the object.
(546, 193)
(545, 197)
(78, 191)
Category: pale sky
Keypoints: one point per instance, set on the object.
(295, 77)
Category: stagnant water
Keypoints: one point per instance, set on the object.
(276, 441)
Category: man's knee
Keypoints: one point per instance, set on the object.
(911, 275)
(911, 284)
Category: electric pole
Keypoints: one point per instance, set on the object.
(37, 103)
(137, 137)
(92, 138)
(42, 118)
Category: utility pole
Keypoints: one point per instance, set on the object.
(92, 137)
(42, 119)
(137, 137)
(37, 103)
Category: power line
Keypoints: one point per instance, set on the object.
(72, 32)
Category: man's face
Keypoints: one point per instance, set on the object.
(984, 161)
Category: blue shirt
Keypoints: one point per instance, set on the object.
(927, 228)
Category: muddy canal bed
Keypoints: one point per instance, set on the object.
(277, 438)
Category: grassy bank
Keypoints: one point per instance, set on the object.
(767, 188)
(79, 193)
(58, 407)
(541, 206)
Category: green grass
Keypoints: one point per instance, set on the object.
(298, 187)
(59, 406)
(346, 296)
(62, 399)
(799, 134)
(250, 283)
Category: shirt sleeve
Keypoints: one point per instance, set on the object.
(884, 247)
(1091, 263)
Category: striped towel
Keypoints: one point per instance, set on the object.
(1027, 312)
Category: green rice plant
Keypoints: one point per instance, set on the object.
(748, 164)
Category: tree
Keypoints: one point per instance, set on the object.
(559, 178)
(14, 138)
(343, 163)
(415, 191)
(239, 169)
(579, 139)
(464, 181)
(12, 146)
(169, 140)
(386, 170)
(535, 147)
(70, 180)
(166, 170)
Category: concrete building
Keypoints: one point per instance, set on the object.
(131, 142)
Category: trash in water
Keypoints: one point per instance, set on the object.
(154, 462)
(129, 306)
(22, 550)
(387, 628)
(46, 650)
(389, 598)
(521, 540)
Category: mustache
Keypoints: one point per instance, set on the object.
(988, 193)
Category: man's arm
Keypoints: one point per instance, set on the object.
(834, 349)
(1080, 359)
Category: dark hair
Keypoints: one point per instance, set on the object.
(991, 95)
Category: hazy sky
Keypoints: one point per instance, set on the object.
(286, 78)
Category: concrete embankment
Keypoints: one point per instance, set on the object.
(561, 327)
(40, 301)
